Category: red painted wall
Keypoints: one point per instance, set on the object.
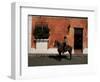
(59, 28)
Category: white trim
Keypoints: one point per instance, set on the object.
(29, 32)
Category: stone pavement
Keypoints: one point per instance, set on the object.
(56, 60)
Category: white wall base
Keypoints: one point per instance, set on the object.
(42, 45)
(85, 51)
(43, 51)
(49, 51)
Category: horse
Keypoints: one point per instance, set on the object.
(60, 49)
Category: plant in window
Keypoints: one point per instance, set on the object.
(41, 32)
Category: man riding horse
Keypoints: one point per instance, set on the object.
(63, 47)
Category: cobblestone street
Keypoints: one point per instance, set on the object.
(56, 60)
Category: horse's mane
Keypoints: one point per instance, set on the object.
(59, 43)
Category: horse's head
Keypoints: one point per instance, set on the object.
(57, 44)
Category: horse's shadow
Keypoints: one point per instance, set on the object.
(59, 58)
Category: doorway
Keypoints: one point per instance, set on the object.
(78, 39)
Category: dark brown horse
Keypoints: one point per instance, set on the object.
(60, 49)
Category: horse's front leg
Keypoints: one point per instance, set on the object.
(59, 53)
(70, 55)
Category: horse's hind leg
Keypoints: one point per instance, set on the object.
(59, 53)
(70, 53)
